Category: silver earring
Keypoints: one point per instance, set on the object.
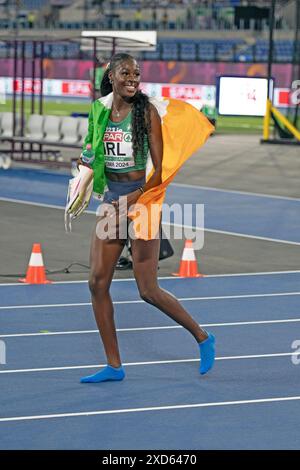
(110, 81)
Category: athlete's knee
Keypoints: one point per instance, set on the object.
(149, 295)
(98, 283)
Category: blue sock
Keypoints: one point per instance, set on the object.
(108, 373)
(207, 354)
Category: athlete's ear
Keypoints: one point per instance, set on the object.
(110, 77)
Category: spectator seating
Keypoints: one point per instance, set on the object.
(33, 4)
(68, 129)
(195, 49)
(64, 131)
(227, 50)
(283, 51)
(52, 128)
(35, 127)
(82, 129)
(6, 122)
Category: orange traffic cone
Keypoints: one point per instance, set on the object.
(188, 264)
(36, 271)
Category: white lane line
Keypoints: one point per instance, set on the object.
(78, 304)
(189, 227)
(182, 299)
(32, 203)
(234, 234)
(148, 363)
(151, 328)
(151, 408)
(262, 273)
(180, 185)
(233, 191)
(132, 279)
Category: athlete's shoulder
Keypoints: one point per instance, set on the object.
(160, 104)
(154, 114)
(103, 102)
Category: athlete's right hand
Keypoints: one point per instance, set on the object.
(79, 162)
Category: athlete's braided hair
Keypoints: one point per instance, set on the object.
(140, 111)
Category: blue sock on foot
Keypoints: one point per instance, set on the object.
(108, 373)
(207, 354)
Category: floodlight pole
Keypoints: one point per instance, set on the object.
(271, 46)
(15, 86)
(296, 63)
(17, 10)
(85, 11)
(33, 76)
(16, 33)
(266, 124)
(114, 45)
(94, 65)
(22, 86)
(41, 103)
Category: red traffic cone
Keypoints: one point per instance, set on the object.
(188, 264)
(36, 271)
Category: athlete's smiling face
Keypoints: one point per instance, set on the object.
(126, 78)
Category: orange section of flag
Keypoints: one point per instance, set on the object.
(185, 130)
(36, 271)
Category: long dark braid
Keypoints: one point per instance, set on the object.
(141, 125)
(106, 86)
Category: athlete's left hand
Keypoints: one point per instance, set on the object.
(125, 202)
(133, 197)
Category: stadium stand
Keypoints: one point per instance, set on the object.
(63, 131)
(6, 131)
(283, 51)
(33, 4)
(69, 127)
(185, 49)
(114, 14)
(82, 129)
(34, 128)
(52, 126)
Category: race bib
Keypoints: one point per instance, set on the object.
(118, 152)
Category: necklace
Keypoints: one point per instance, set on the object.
(115, 111)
